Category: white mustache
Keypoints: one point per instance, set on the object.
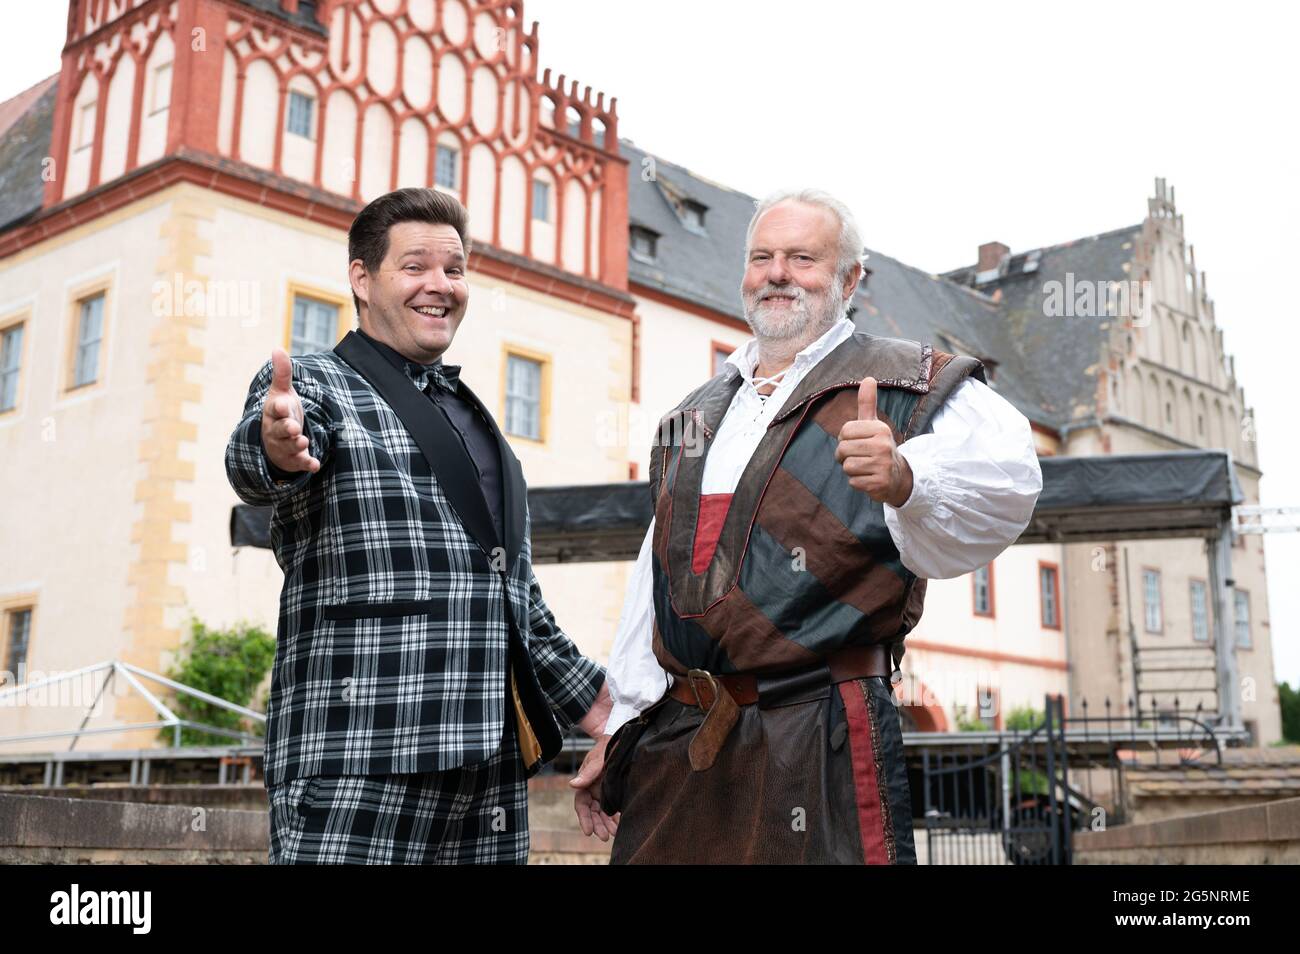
(795, 292)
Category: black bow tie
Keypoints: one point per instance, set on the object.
(445, 376)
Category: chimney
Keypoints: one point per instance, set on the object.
(990, 254)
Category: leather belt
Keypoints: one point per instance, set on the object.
(698, 687)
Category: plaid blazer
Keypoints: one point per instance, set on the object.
(401, 612)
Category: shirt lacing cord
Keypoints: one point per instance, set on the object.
(773, 380)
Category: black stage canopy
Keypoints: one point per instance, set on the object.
(1084, 499)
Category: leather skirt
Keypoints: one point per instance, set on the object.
(810, 776)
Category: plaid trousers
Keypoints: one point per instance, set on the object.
(476, 814)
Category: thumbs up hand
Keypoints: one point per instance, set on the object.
(869, 455)
(286, 446)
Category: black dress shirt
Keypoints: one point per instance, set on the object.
(442, 383)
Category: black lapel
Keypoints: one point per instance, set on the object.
(440, 444)
(512, 484)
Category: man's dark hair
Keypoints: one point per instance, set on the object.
(368, 236)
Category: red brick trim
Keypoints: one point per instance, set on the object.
(987, 655)
(275, 192)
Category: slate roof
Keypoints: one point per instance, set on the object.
(905, 302)
(702, 268)
(22, 147)
(1058, 356)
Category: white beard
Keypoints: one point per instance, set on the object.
(809, 315)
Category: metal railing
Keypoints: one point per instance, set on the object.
(131, 676)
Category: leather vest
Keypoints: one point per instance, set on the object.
(804, 563)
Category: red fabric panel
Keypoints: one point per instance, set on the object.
(713, 511)
(871, 819)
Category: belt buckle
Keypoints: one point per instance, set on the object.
(694, 674)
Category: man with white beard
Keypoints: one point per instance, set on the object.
(809, 491)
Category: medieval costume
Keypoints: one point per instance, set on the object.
(753, 710)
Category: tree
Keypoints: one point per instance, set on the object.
(227, 663)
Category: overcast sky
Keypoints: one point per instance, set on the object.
(947, 125)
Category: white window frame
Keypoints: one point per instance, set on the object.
(1152, 609)
(527, 405)
(297, 95)
(86, 350)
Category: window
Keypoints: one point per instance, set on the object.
(721, 352)
(90, 334)
(982, 591)
(693, 215)
(1200, 613)
(644, 243)
(315, 326)
(11, 352)
(1049, 595)
(300, 114)
(542, 201)
(523, 397)
(446, 171)
(86, 126)
(18, 630)
(161, 95)
(1241, 617)
(1151, 601)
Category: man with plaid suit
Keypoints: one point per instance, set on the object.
(419, 676)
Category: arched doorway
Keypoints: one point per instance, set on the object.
(918, 708)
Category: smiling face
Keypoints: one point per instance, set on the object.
(790, 288)
(416, 299)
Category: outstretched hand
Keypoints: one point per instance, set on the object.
(287, 447)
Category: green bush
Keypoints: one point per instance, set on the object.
(227, 663)
(966, 724)
(1025, 718)
(1289, 701)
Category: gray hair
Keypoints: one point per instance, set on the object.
(851, 250)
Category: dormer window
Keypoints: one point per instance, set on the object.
(693, 215)
(644, 243)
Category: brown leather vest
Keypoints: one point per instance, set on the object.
(804, 563)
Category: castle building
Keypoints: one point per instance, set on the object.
(175, 201)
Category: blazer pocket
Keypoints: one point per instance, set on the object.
(381, 610)
(309, 794)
